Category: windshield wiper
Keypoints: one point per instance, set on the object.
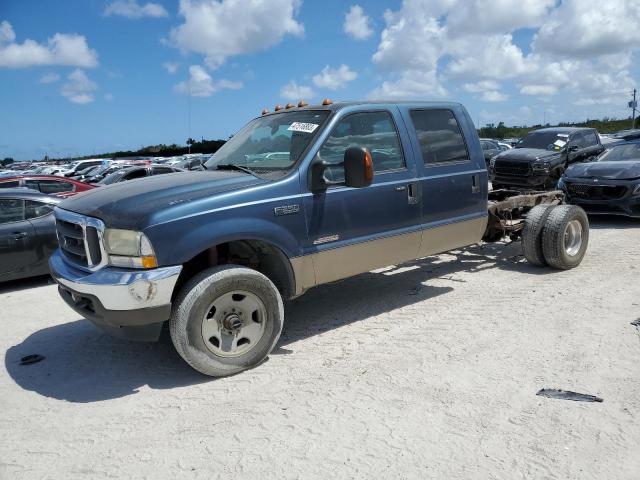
(231, 166)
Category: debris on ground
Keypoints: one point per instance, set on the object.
(636, 322)
(567, 395)
(29, 359)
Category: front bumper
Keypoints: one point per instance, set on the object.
(628, 205)
(127, 303)
(533, 180)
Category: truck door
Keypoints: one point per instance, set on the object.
(354, 230)
(453, 177)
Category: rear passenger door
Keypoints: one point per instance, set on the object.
(16, 237)
(354, 230)
(452, 175)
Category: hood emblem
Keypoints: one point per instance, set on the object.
(595, 180)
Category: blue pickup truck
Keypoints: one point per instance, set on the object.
(300, 197)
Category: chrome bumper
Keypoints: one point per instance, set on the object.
(118, 288)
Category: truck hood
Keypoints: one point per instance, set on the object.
(618, 170)
(527, 155)
(135, 203)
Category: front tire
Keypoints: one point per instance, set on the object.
(226, 319)
(565, 237)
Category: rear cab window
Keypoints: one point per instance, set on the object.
(439, 136)
(11, 184)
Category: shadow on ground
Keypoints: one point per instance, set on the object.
(82, 364)
(613, 221)
(26, 283)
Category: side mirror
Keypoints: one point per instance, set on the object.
(573, 148)
(358, 170)
(358, 167)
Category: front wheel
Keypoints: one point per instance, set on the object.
(226, 319)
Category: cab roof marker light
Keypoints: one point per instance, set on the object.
(289, 105)
(265, 111)
(302, 103)
(326, 102)
(278, 108)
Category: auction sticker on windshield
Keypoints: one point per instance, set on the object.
(303, 127)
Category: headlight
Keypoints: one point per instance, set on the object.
(541, 167)
(130, 249)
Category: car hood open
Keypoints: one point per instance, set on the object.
(618, 170)
(132, 204)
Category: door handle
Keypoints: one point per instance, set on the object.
(475, 183)
(18, 235)
(401, 188)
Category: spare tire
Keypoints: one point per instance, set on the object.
(532, 234)
(565, 237)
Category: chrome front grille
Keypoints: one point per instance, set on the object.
(596, 192)
(80, 240)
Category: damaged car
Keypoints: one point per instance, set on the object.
(610, 185)
(542, 156)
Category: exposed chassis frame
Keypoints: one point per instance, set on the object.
(507, 209)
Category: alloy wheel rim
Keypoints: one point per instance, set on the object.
(573, 237)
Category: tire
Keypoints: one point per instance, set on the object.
(562, 249)
(532, 234)
(194, 314)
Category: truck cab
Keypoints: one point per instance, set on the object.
(297, 198)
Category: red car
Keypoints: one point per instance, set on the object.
(49, 184)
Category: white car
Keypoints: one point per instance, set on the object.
(72, 168)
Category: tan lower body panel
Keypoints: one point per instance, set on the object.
(453, 235)
(337, 263)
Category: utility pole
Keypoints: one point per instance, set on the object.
(633, 104)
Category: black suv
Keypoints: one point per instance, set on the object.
(540, 158)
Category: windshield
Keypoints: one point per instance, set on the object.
(272, 143)
(113, 177)
(544, 140)
(622, 153)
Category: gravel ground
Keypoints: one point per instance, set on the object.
(424, 371)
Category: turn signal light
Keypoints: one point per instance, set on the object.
(149, 261)
(326, 101)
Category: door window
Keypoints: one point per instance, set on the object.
(50, 187)
(11, 210)
(10, 184)
(590, 139)
(135, 174)
(439, 135)
(375, 131)
(161, 170)
(35, 209)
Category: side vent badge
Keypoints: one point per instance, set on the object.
(286, 210)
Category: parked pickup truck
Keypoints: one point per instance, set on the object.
(298, 198)
(541, 157)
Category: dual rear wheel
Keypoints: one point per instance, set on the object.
(557, 236)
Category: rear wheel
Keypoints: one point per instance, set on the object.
(226, 319)
(565, 237)
(532, 234)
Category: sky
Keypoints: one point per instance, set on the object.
(80, 77)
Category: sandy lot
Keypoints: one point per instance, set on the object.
(425, 371)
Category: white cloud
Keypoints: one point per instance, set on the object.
(78, 88)
(50, 77)
(67, 49)
(293, 91)
(493, 96)
(221, 29)
(356, 23)
(334, 78)
(6, 32)
(132, 9)
(108, 97)
(583, 49)
(170, 67)
(591, 27)
(200, 83)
